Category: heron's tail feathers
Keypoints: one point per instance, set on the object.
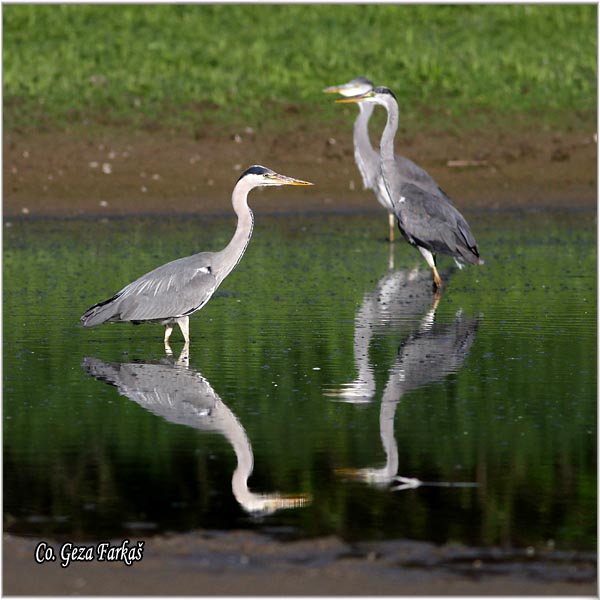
(99, 313)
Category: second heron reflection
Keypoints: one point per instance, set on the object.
(428, 352)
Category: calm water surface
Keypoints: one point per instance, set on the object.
(321, 388)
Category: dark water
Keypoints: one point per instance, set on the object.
(317, 376)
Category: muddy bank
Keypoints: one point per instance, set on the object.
(244, 563)
(114, 172)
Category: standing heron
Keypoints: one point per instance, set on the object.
(427, 220)
(367, 158)
(171, 293)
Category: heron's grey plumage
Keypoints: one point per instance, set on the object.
(426, 216)
(367, 158)
(172, 292)
(427, 221)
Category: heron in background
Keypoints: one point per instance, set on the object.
(171, 293)
(427, 219)
(367, 158)
(181, 395)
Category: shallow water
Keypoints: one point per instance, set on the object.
(317, 376)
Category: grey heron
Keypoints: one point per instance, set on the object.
(367, 158)
(172, 292)
(427, 220)
(181, 395)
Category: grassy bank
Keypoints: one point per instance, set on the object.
(165, 65)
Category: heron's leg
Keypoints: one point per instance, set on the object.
(392, 221)
(391, 258)
(168, 330)
(437, 280)
(184, 325)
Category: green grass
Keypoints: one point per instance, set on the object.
(170, 65)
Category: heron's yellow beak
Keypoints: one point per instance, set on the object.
(334, 89)
(358, 98)
(284, 180)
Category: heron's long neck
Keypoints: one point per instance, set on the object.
(362, 142)
(234, 431)
(388, 439)
(233, 252)
(245, 462)
(386, 147)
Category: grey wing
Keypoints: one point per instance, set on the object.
(413, 172)
(173, 290)
(433, 223)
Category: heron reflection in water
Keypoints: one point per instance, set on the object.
(181, 395)
(398, 300)
(427, 355)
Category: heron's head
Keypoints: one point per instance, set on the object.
(261, 176)
(357, 86)
(378, 95)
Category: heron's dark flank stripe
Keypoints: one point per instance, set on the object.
(103, 303)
